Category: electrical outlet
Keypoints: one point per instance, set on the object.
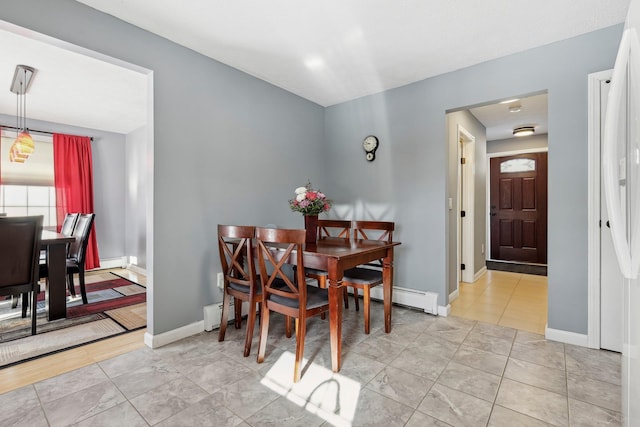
(220, 280)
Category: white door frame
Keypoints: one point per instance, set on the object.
(466, 144)
(593, 208)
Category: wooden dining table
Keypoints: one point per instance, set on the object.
(336, 255)
(56, 289)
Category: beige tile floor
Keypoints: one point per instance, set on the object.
(429, 371)
(507, 299)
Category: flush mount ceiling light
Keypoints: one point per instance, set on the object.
(515, 108)
(23, 146)
(524, 131)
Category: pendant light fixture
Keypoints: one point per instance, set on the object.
(23, 146)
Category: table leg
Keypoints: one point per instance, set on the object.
(335, 314)
(56, 290)
(387, 287)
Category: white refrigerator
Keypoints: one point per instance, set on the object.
(621, 171)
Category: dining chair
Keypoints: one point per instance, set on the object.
(235, 245)
(368, 275)
(19, 253)
(330, 228)
(68, 224)
(281, 294)
(76, 255)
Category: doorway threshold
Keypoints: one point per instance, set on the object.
(517, 267)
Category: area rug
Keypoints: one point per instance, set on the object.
(115, 306)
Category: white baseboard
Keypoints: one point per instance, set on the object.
(454, 295)
(566, 337)
(444, 311)
(155, 341)
(479, 273)
(120, 262)
(423, 300)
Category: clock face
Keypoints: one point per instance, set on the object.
(370, 143)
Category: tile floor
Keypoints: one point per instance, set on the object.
(429, 371)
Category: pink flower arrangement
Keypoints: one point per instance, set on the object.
(309, 201)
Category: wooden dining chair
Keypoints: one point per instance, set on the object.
(235, 245)
(19, 253)
(368, 275)
(330, 228)
(292, 298)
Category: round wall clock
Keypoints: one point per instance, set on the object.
(370, 145)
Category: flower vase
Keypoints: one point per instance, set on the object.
(311, 226)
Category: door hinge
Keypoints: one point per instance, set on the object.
(463, 267)
(463, 213)
(463, 160)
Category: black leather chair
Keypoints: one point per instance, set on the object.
(76, 254)
(19, 252)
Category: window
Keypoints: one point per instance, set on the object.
(518, 165)
(27, 188)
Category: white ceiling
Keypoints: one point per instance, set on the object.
(328, 52)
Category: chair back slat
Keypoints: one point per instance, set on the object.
(272, 260)
(69, 223)
(78, 248)
(374, 230)
(235, 246)
(334, 228)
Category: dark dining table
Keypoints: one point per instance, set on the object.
(335, 255)
(56, 289)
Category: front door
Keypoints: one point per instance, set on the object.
(518, 208)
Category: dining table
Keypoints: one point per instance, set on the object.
(55, 245)
(336, 255)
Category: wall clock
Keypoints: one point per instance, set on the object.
(370, 145)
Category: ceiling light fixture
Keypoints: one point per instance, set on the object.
(23, 145)
(515, 108)
(524, 131)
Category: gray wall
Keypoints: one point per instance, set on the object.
(282, 141)
(413, 167)
(258, 143)
(108, 153)
(532, 142)
(135, 191)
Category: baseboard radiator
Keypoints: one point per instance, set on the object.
(426, 301)
(213, 313)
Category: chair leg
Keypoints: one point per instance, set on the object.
(83, 289)
(264, 332)
(301, 331)
(366, 299)
(355, 298)
(287, 326)
(251, 321)
(14, 301)
(34, 311)
(225, 317)
(237, 307)
(70, 285)
(345, 296)
(25, 303)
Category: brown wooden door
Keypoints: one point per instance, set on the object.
(518, 208)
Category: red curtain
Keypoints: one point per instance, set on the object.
(73, 177)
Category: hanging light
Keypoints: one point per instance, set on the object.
(23, 146)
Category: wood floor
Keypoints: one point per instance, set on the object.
(508, 299)
(503, 298)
